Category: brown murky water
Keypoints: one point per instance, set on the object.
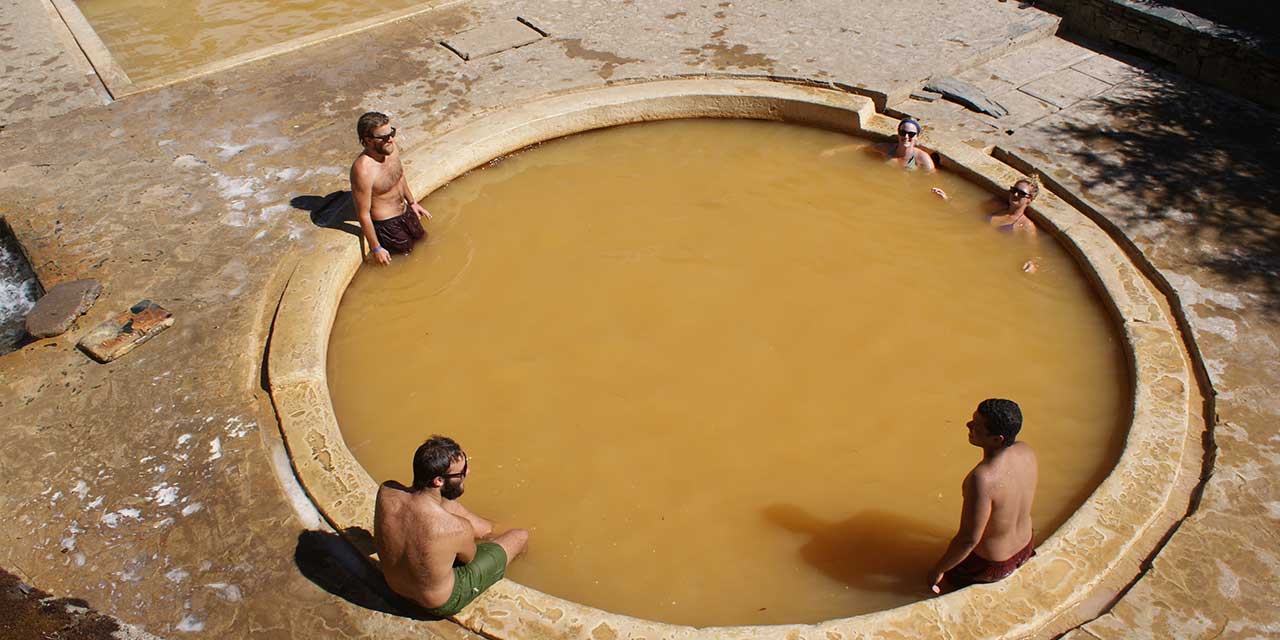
(721, 377)
(152, 39)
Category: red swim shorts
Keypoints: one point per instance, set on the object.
(975, 568)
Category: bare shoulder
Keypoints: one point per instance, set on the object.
(924, 159)
(363, 168)
(1023, 450)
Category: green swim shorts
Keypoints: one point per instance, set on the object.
(471, 579)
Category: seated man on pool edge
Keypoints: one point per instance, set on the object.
(388, 214)
(996, 518)
(434, 551)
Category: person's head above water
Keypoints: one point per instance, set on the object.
(1024, 189)
(995, 423)
(375, 132)
(908, 131)
(433, 467)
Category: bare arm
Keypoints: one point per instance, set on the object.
(482, 528)
(925, 160)
(973, 522)
(408, 197)
(362, 195)
(466, 548)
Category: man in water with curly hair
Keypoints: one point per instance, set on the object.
(995, 535)
(434, 551)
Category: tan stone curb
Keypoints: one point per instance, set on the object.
(1081, 564)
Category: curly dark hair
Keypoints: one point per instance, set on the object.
(1004, 418)
(432, 460)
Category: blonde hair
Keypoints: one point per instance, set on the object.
(1034, 182)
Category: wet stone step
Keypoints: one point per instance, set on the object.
(122, 333)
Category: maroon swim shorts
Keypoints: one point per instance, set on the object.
(398, 234)
(976, 568)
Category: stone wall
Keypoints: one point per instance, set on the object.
(1198, 48)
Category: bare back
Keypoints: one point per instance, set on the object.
(1008, 482)
(382, 181)
(418, 542)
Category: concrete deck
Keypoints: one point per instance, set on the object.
(156, 487)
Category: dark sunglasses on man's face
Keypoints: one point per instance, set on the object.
(908, 133)
(463, 473)
(1018, 193)
(386, 137)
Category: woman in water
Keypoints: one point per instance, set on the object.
(905, 153)
(1013, 218)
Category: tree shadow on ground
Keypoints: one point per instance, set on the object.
(333, 211)
(872, 550)
(345, 568)
(1203, 163)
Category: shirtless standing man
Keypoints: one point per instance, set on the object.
(433, 550)
(996, 519)
(387, 211)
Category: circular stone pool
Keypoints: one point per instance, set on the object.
(1084, 562)
(721, 368)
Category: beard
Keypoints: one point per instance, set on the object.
(452, 489)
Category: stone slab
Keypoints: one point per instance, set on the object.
(925, 95)
(124, 332)
(58, 309)
(1107, 69)
(1023, 109)
(966, 94)
(1037, 60)
(491, 38)
(988, 81)
(1064, 88)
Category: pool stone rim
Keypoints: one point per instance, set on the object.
(1079, 569)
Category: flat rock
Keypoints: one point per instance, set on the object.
(54, 313)
(962, 92)
(122, 333)
(491, 39)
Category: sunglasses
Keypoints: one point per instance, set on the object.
(1018, 193)
(386, 137)
(908, 134)
(463, 473)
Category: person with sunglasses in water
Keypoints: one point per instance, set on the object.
(905, 153)
(1013, 219)
(435, 552)
(387, 211)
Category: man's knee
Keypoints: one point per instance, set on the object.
(513, 542)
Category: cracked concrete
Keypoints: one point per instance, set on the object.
(151, 487)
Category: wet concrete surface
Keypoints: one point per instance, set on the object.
(155, 487)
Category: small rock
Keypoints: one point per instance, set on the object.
(926, 96)
(127, 330)
(54, 313)
(966, 94)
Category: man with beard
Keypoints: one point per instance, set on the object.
(388, 213)
(434, 551)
